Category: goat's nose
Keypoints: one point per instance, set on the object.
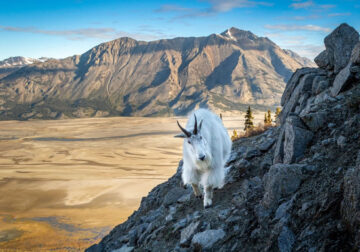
(202, 157)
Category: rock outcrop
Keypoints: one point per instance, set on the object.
(292, 188)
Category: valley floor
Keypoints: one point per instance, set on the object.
(65, 183)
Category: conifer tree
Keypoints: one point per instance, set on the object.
(249, 125)
(269, 120)
(265, 119)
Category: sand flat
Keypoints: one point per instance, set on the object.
(66, 183)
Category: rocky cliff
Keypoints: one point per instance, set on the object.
(224, 72)
(293, 188)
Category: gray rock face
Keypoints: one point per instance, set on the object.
(286, 240)
(188, 232)
(342, 79)
(296, 141)
(173, 195)
(322, 60)
(281, 180)
(315, 120)
(208, 238)
(350, 206)
(339, 45)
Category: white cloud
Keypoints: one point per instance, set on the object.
(339, 14)
(302, 5)
(84, 33)
(227, 5)
(286, 27)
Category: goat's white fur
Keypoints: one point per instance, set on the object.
(215, 144)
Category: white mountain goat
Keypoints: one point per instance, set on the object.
(206, 149)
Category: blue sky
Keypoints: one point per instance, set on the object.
(63, 28)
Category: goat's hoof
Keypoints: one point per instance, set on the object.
(198, 196)
(182, 185)
(207, 203)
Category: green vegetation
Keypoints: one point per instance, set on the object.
(249, 124)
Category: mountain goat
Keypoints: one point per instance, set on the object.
(206, 149)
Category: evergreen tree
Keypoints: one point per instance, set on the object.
(249, 125)
(269, 120)
(265, 119)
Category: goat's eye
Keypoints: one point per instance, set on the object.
(189, 142)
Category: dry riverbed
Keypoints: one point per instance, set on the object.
(64, 184)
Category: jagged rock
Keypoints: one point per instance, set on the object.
(296, 139)
(208, 238)
(320, 83)
(281, 180)
(350, 206)
(124, 248)
(315, 120)
(322, 60)
(294, 81)
(342, 80)
(251, 153)
(339, 45)
(355, 55)
(173, 195)
(188, 232)
(341, 141)
(286, 240)
(304, 86)
(279, 148)
(266, 145)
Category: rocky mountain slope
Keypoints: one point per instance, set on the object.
(166, 77)
(293, 188)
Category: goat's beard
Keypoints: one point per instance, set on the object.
(204, 165)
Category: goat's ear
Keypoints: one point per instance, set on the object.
(181, 135)
(200, 124)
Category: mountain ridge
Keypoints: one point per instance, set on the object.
(163, 77)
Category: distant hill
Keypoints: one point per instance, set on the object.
(225, 72)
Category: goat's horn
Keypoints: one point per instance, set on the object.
(195, 126)
(187, 133)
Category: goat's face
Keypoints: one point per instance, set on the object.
(196, 143)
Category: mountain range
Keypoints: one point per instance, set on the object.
(225, 72)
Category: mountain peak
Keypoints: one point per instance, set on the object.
(237, 34)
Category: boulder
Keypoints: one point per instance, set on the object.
(206, 239)
(304, 86)
(286, 240)
(279, 148)
(342, 80)
(322, 60)
(173, 195)
(297, 138)
(350, 206)
(315, 120)
(355, 55)
(282, 180)
(339, 45)
(188, 232)
(294, 81)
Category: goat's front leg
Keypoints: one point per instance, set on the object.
(196, 190)
(208, 196)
